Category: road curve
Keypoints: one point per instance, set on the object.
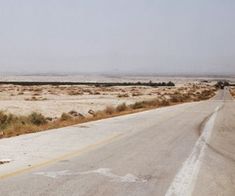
(182, 150)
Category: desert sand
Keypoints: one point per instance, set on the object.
(52, 101)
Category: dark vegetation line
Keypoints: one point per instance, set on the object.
(98, 84)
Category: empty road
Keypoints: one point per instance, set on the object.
(182, 150)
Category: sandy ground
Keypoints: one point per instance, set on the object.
(52, 101)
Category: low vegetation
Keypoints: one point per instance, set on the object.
(232, 91)
(97, 84)
(12, 125)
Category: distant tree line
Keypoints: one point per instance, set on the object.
(150, 83)
(98, 84)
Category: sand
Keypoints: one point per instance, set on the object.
(52, 101)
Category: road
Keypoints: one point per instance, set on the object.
(182, 150)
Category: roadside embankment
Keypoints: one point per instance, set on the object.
(14, 125)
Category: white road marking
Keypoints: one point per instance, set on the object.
(184, 182)
(128, 178)
(54, 174)
(107, 173)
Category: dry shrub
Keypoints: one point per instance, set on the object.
(138, 105)
(3, 117)
(122, 107)
(74, 92)
(36, 94)
(73, 113)
(88, 91)
(36, 89)
(18, 128)
(175, 99)
(232, 91)
(186, 96)
(16, 125)
(136, 94)
(33, 98)
(97, 93)
(92, 112)
(37, 119)
(9, 119)
(206, 94)
(164, 102)
(65, 117)
(109, 110)
(21, 93)
(123, 95)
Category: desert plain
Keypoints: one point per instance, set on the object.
(53, 100)
(32, 106)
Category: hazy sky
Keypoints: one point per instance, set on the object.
(139, 36)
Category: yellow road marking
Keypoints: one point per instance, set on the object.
(63, 157)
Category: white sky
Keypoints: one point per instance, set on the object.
(118, 36)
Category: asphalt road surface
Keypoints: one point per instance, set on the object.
(182, 150)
